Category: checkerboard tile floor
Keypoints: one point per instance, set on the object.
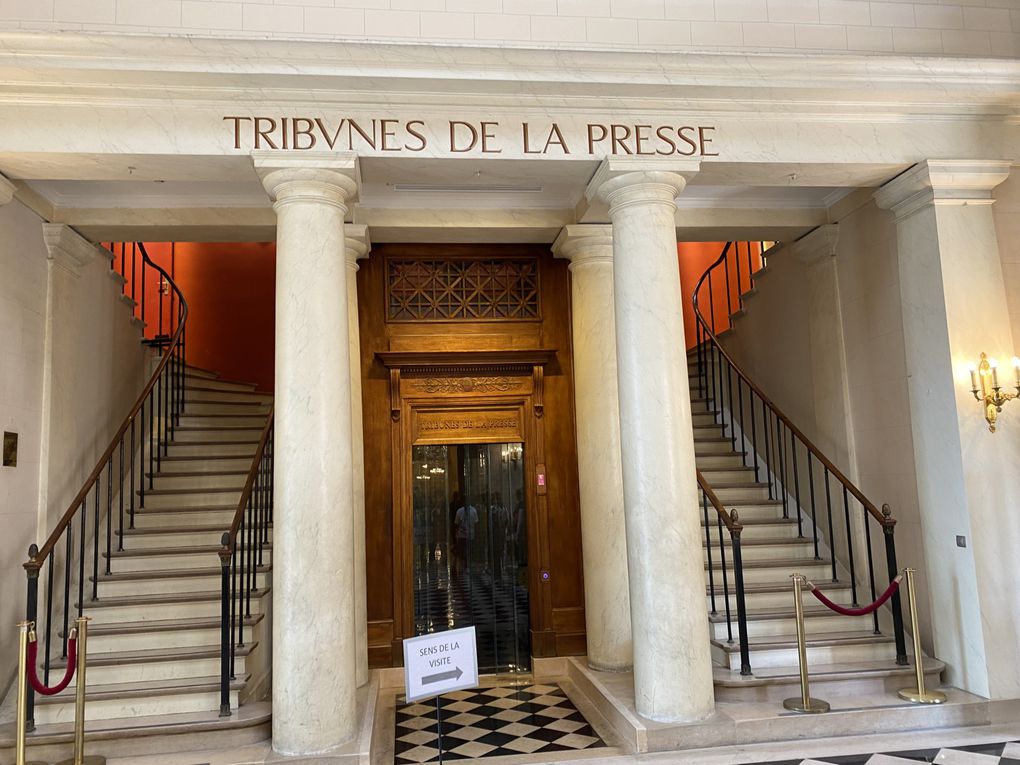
(972, 754)
(491, 722)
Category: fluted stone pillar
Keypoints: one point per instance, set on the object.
(358, 246)
(597, 413)
(672, 659)
(314, 653)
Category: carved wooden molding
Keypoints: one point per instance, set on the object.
(464, 372)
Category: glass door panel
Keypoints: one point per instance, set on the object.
(470, 548)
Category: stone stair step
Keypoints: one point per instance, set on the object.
(163, 498)
(197, 479)
(211, 462)
(212, 393)
(172, 536)
(822, 648)
(828, 681)
(139, 699)
(225, 419)
(157, 581)
(215, 383)
(774, 622)
(152, 518)
(133, 636)
(158, 664)
(171, 557)
(768, 595)
(128, 608)
(236, 446)
(218, 434)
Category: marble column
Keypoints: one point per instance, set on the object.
(597, 415)
(314, 638)
(358, 245)
(954, 306)
(672, 659)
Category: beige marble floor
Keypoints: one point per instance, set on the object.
(731, 755)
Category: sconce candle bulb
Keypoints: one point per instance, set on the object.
(986, 389)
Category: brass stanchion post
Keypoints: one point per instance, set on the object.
(805, 704)
(82, 624)
(917, 694)
(20, 725)
(19, 738)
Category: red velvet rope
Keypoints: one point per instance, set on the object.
(864, 611)
(72, 655)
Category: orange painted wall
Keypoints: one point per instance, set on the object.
(230, 290)
(695, 258)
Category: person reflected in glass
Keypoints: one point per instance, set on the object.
(464, 523)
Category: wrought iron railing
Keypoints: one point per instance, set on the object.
(242, 552)
(796, 472)
(715, 549)
(93, 527)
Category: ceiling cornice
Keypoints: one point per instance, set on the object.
(67, 68)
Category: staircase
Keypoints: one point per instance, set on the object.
(754, 465)
(154, 638)
(166, 549)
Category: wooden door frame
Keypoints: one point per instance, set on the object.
(467, 387)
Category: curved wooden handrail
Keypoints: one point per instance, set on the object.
(231, 534)
(886, 520)
(734, 527)
(36, 561)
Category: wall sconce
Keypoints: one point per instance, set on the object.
(984, 383)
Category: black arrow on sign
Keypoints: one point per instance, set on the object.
(450, 674)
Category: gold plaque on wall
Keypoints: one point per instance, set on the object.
(467, 425)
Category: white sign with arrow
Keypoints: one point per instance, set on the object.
(440, 662)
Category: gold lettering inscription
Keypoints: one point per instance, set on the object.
(508, 423)
(391, 135)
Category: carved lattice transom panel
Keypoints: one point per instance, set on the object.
(462, 289)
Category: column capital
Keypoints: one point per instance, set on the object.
(942, 182)
(816, 245)
(6, 191)
(357, 244)
(584, 243)
(317, 177)
(67, 248)
(626, 180)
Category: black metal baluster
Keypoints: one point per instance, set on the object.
(711, 302)
(738, 577)
(850, 548)
(781, 481)
(708, 547)
(769, 472)
(131, 496)
(233, 608)
(120, 511)
(225, 625)
(68, 552)
(754, 434)
(814, 509)
(729, 300)
(81, 557)
(889, 528)
(152, 424)
(828, 511)
(796, 486)
(729, 399)
(740, 419)
(725, 579)
(871, 563)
